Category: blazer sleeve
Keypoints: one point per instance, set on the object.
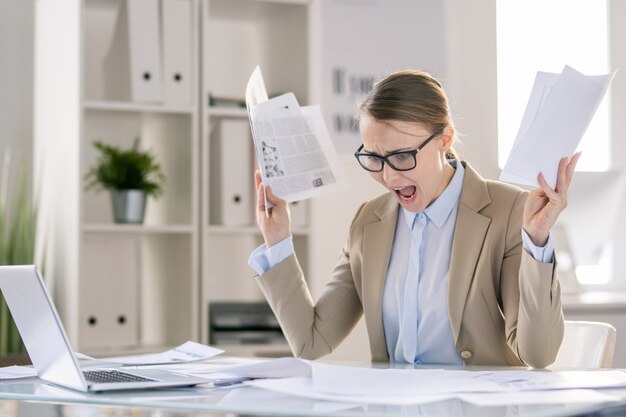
(312, 329)
(531, 298)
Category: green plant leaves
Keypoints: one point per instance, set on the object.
(18, 222)
(120, 169)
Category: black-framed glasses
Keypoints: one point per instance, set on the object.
(400, 161)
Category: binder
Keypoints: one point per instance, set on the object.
(145, 51)
(232, 202)
(177, 25)
(109, 293)
(132, 66)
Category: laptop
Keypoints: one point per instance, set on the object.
(49, 348)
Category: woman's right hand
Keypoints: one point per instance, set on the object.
(276, 226)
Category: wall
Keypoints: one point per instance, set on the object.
(618, 54)
(16, 79)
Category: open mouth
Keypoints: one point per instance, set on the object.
(406, 193)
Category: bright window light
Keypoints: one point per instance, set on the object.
(540, 35)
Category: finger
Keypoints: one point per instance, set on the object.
(257, 178)
(571, 167)
(274, 199)
(550, 193)
(260, 200)
(561, 184)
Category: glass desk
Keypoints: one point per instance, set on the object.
(33, 398)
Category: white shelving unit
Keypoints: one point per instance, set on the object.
(157, 261)
(136, 288)
(237, 35)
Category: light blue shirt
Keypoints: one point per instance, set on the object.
(435, 343)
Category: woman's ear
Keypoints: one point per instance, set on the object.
(447, 138)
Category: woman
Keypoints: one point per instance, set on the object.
(447, 267)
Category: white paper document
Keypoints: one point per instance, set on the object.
(187, 352)
(274, 368)
(367, 382)
(416, 386)
(303, 387)
(552, 380)
(538, 397)
(17, 372)
(558, 112)
(293, 148)
(256, 399)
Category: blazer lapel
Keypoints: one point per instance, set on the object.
(471, 228)
(377, 241)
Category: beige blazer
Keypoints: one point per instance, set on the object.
(504, 307)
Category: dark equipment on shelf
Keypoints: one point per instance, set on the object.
(243, 323)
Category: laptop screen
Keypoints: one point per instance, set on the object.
(39, 325)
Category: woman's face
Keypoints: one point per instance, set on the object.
(418, 188)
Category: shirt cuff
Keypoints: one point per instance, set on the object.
(262, 259)
(541, 254)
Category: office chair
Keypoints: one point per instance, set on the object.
(586, 344)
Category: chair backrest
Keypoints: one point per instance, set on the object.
(586, 344)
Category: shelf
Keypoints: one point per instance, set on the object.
(134, 228)
(136, 107)
(249, 230)
(233, 112)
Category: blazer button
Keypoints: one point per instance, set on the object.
(466, 354)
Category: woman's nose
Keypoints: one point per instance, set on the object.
(388, 172)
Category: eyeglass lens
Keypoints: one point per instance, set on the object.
(401, 161)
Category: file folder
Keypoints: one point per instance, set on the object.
(109, 293)
(145, 51)
(132, 67)
(177, 25)
(232, 179)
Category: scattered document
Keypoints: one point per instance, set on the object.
(17, 372)
(416, 386)
(539, 397)
(558, 112)
(275, 368)
(303, 387)
(551, 380)
(260, 399)
(355, 381)
(293, 148)
(187, 352)
(236, 374)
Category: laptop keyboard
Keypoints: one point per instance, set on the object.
(108, 376)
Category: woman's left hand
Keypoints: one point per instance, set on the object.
(545, 204)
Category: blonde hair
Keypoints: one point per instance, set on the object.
(410, 96)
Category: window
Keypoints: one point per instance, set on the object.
(539, 35)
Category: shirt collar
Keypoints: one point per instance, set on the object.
(441, 208)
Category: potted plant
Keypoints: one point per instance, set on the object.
(130, 175)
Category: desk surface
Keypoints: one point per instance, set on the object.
(32, 398)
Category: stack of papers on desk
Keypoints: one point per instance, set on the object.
(415, 386)
(187, 352)
(558, 112)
